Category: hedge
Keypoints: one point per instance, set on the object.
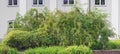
(7, 50)
(60, 50)
(114, 44)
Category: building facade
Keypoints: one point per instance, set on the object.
(9, 9)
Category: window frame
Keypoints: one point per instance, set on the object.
(12, 24)
(13, 3)
(100, 3)
(68, 2)
(10, 2)
(38, 4)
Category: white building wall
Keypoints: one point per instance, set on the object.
(63, 7)
(114, 17)
(6, 13)
(118, 17)
(22, 5)
(9, 13)
(111, 8)
(67, 7)
(53, 5)
(46, 4)
(107, 8)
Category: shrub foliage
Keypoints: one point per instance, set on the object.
(62, 28)
(7, 50)
(60, 50)
(114, 44)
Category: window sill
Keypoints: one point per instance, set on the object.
(12, 5)
(68, 5)
(38, 5)
(100, 5)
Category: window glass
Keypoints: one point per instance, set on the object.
(9, 2)
(71, 1)
(11, 23)
(15, 2)
(40, 1)
(35, 2)
(97, 2)
(102, 2)
(65, 1)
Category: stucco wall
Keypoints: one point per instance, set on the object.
(107, 8)
(6, 13)
(9, 13)
(81, 3)
(30, 5)
(119, 18)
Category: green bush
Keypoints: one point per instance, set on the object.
(114, 44)
(24, 40)
(60, 50)
(63, 28)
(17, 39)
(7, 50)
(44, 50)
(30, 21)
(76, 50)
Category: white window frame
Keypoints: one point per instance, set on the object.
(12, 22)
(68, 2)
(37, 5)
(100, 3)
(13, 4)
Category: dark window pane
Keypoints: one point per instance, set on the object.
(65, 1)
(35, 2)
(97, 2)
(40, 1)
(71, 1)
(9, 2)
(11, 23)
(15, 2)
(102, 2)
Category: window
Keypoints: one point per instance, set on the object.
(11, 24)
(102, 2)
(68, 1)
(37, 2)
(40, 1)
(12, 2)
(71, 1)
(15, 2)
(99, 2)
(65, 1)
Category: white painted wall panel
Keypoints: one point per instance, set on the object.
(30, 5)
(6, 13)
(80, 3)
(115, 17)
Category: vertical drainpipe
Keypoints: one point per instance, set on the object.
(89, 7)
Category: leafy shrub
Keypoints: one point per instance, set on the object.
(30, 21)
(76, 50)
(64, 28)
(60, 50)
(44, 50)
(23, 39)
(114, 44)
(17, 39)
(7, 50)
